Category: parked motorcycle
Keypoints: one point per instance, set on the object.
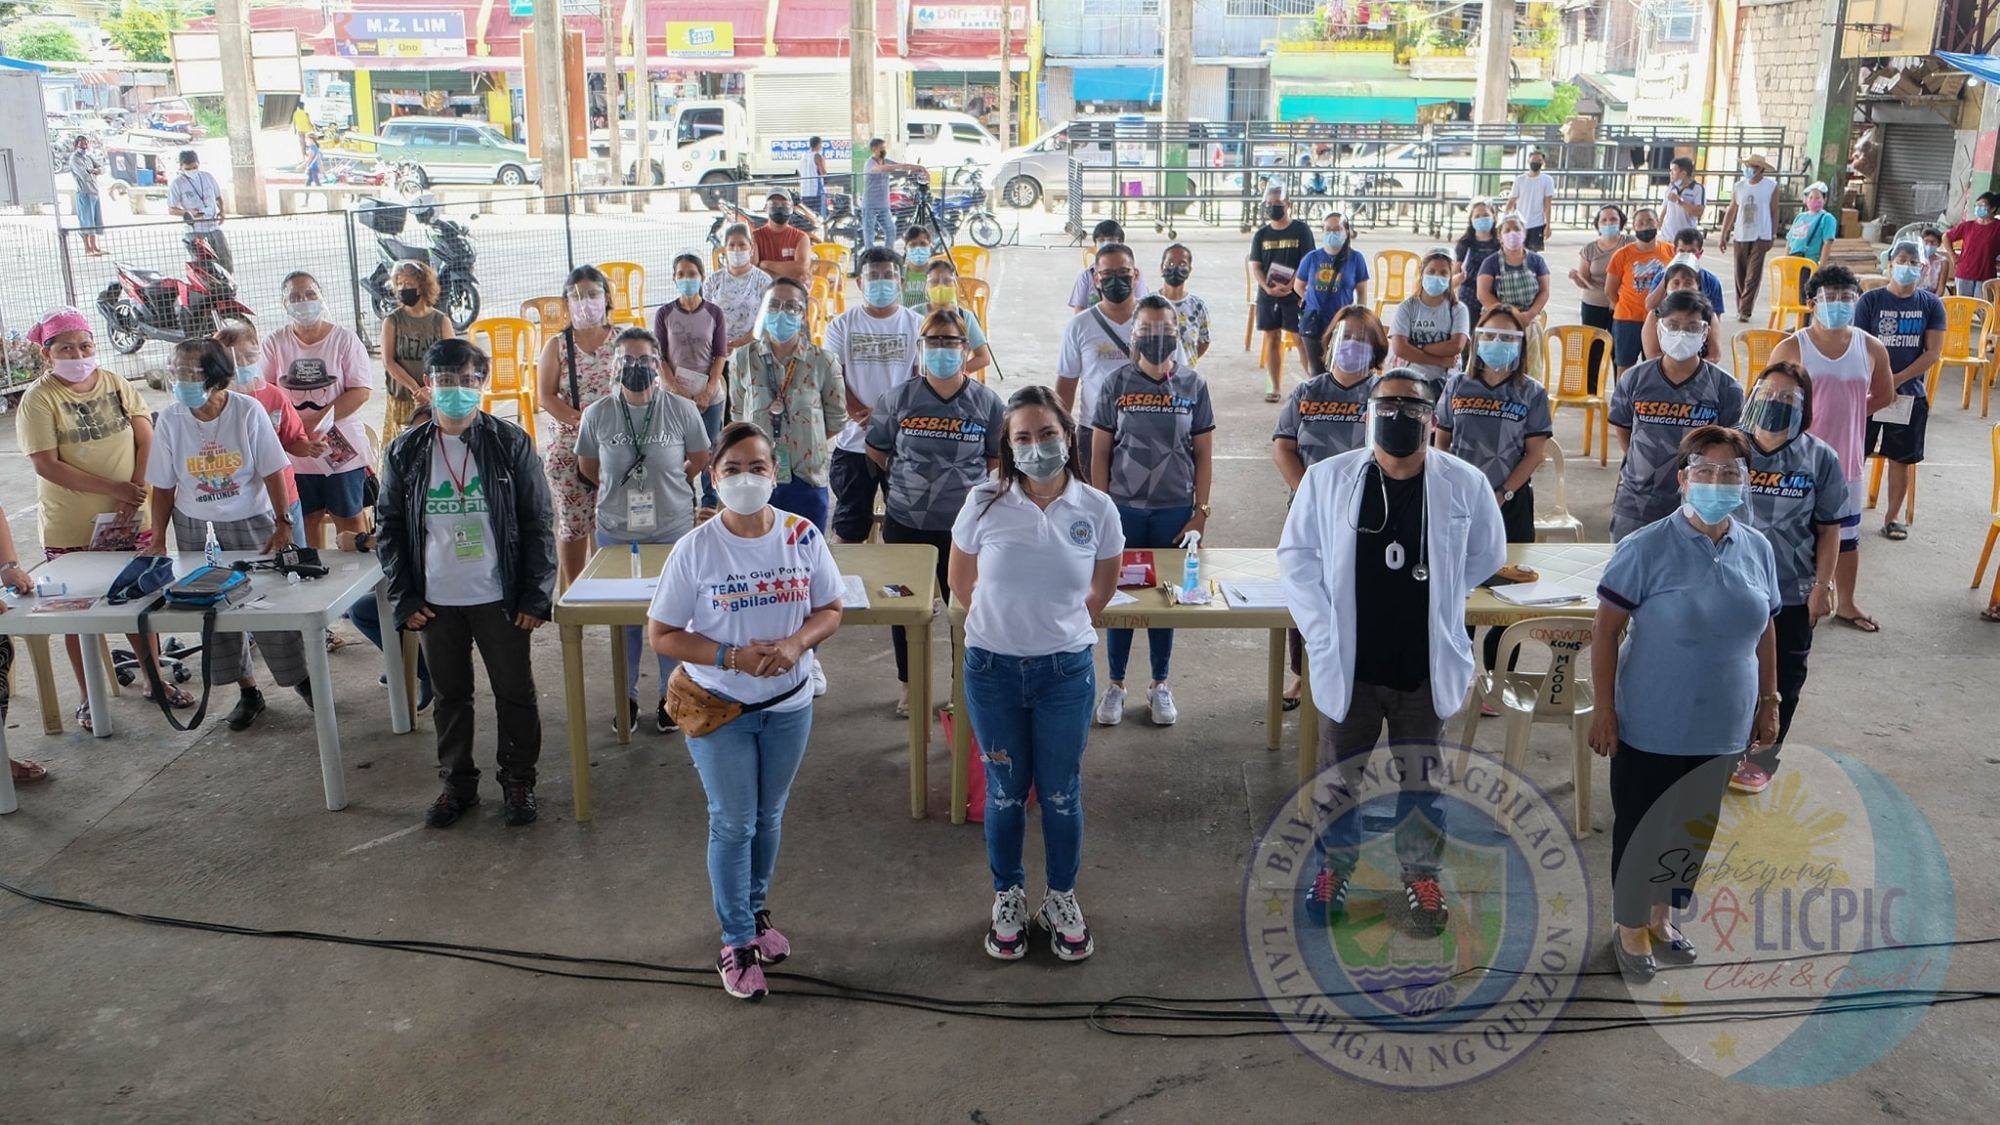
(143, 305)
(450, 254)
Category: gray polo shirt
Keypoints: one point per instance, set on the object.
(1490, 426)
(1325, 418)
(1794, 491)
(626, 494)
(1660, 414)
(938, 448)
(1153, 424)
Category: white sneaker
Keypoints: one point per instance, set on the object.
(1111, 709)
(1160, 698)
(819, 679)
(1008, 939)
(903, 703)
(1069, 938)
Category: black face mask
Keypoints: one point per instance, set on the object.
(408, 296)
(1778, 416)
(1174, 275)
(1116, 290)
(1644, 234)
(781, 215)
(1398, 436)
(1155, 349)
(1535, 166)
(635, 377)
(1276, 211)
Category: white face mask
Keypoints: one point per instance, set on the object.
(1681, 345)
(305, 313)
(746, 494)
(737, 259)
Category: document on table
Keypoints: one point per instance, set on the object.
(611, 590)
(1120, 597)
(1538, 594)
(1254, 595)
(853, 592)
(1896, 413)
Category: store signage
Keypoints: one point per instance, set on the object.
(965, 17)
(400, 34)
(700, 40)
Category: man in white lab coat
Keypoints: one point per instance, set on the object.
(1379, 552)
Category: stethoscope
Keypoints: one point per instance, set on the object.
(1394, 554)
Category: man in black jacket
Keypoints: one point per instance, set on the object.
(467, 541)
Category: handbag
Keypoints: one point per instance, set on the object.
(699, 711)
(208, 589)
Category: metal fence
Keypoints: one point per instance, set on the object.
(1383, 176)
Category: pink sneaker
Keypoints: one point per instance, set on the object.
(742, 977)
(770, 945)
(1749, 777)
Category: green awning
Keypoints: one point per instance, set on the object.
(1302, 79)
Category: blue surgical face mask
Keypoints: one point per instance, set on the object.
(1333, 240)
(246, 375)
(1609, 230)
(190, 395)
(918, 255)
(1834, 314)
(1905, 275)
(1502, 354)
(782, 326)
(1714, 502)
(882, 293)
(1435, 284)
(943, 362)
(1982, 211)
(455, 402)
(688, 286)
(1482, 224)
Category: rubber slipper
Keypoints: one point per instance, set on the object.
(178, 699)
(1990, 613)
(1270, 398)
(1896, 531)
(1860, 621)
(25, 771)
(1289, 703)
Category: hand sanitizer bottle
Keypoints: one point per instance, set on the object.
(1191, 569)
(211, 550)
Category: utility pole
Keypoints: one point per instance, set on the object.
(642, 103)
(551, 97)
(1006, 72)
(1177, 99)
(611, 84)
(239, 87)
(1489, 105)
(861, 92)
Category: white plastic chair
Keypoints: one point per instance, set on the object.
(1561, 694)
(1553, 521)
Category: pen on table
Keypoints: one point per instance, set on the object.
(635, 561)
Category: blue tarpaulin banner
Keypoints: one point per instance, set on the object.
(1986, 67)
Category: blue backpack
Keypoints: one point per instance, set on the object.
(208, 589)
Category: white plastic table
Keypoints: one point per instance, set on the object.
(274, 606)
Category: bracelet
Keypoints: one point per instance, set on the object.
(721, 657)
(732, 660)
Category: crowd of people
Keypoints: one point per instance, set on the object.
(1408, 449)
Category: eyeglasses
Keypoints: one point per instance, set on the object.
(1412, 408)
(441, 378)
(881, 273)
(1709, 471)
(794, 307)
(1506, 334)
(1838, 295)
(944, 341)
(188, 374)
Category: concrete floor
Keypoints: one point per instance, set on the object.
(108, 1020)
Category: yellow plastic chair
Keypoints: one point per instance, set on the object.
(1396, 273)
(1552, 520)
(1788, 275)
(820, 306)
(973, 296)
(549, 315)
(1567, 378)
(972, 261)
(628, 292)
(1993, 530)
(1877, 466)
(1750, 353)
(829, 272)
(835, 252)
(511, 343)
(1560, 694)
(714, 258)
(1967, 324)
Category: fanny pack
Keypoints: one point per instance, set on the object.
(698, 711)
(144, 576)
(208, 589)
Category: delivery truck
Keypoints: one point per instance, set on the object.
(719, 145)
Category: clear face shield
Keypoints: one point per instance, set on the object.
(1348, 355)
(1776, 414)
(782, 316)
(1716, 485)
(1499, 348)
(1683, 337)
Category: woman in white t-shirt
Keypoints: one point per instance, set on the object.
(744, 600)
(325, 370)
(216, 465)
(1034, 556)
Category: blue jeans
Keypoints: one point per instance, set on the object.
(1146, 527)
(363, 614)
(711, 420)
(877, 220)
(747, 768)
(802, 499)
(635, 640)
(1031, 715)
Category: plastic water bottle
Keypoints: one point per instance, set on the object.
(1191, 569)
(211, 550)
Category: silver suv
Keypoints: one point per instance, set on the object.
(456, 150)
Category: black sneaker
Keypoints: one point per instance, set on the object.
(1426, 901)
(519, 804)
(248, 707)
(663, 722)
(450, 805)
(305, 690)
(631, 717)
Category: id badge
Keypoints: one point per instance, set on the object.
(639, 514)
(783, 456)
(468, 541)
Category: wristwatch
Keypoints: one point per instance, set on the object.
(1202, 508)
(1507, 497)
(1770, 697)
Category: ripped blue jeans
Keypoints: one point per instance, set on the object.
(1031, 715)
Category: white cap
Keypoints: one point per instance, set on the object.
(1817, 186)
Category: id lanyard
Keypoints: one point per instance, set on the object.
(637, 469)
(780, 393)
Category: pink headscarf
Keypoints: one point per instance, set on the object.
(56, 322)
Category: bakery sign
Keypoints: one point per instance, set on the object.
(965, 17)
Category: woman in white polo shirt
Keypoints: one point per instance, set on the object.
(1034, 556)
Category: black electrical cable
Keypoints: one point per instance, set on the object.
(1101, 1015)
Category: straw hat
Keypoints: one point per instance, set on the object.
(1756, 160)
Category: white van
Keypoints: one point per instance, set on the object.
(942, 140)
